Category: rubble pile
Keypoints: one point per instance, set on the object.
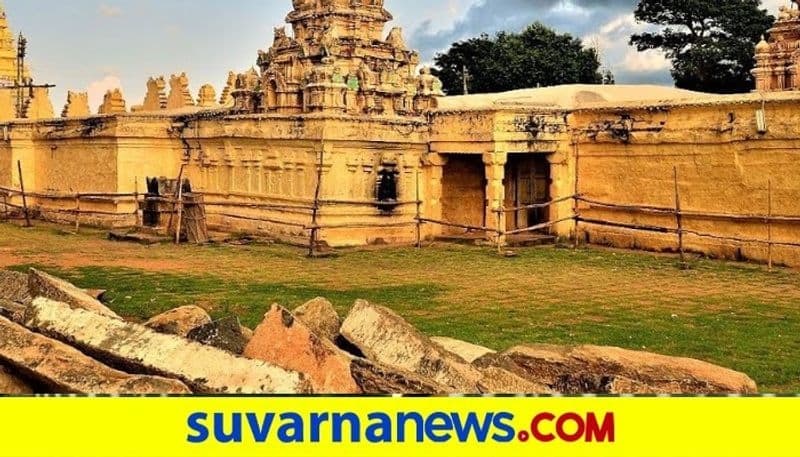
(57, 338)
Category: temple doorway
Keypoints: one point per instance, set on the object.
(464, 193)
(527, 183)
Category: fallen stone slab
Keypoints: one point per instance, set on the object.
(204, 369)
(320, 316)
(13, 385)
(223, 334)
(284, 340)
(179, 321)
(610, 370)
(467, 351)
(14, 286)
(496, 380)
(377, 379)
(64, 369)
(44, 285)
(12, 310)
(384, 337)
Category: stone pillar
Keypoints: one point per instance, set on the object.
(431, 190)
(495, 163)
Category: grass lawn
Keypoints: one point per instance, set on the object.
(734, 314)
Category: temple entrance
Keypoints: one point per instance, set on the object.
(527, 183)
(464, 193)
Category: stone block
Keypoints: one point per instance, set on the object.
(204, 369)
(64, 369)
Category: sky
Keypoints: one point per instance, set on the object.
(96, 45)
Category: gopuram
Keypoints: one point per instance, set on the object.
(778, 60)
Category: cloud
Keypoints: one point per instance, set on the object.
(109, 10)
(611, 39)
(647, 61)
(578, 17)
(97, 89)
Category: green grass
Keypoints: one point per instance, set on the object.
(734, 314)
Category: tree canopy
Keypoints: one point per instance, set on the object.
(711, 43)
(539, 56)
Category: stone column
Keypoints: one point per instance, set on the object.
(495, 163)
(431, 190)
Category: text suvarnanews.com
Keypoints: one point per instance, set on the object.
(404, 427)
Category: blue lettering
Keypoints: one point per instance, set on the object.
(472, 426)
(317, 420)
(338, 425)
(402, 419)
(380, 428)
(195, 425)
(445, 424)
(291, 430)
(502, 422)
(260, 430)
(236, 428)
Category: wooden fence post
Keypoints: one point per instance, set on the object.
(77, 213)
(136, 201)
(312, 244)
(679, 217)
(576, 201)
(769, 224)
(177, 206)
(180, 213)
(419, 214)
(499, 233)
(24, 198)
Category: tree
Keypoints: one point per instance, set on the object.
(711, 43)
(538, 56)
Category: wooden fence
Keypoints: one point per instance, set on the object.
(315, 222)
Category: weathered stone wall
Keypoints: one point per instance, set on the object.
(624, 155)
(724, 166)
(273, 160)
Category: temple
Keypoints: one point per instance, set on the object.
(337, 130)
(29, 102)
(778, 58)
(338, 61)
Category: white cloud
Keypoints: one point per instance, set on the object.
(109, 10)
(612, 38)
(97, 89)
(646, 61)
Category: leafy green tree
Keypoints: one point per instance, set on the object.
(711, 43)
(539, 56)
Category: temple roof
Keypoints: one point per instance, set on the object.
(580, 97)
(567, 97)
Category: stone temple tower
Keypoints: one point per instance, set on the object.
(340, 60)
(778, 57)
(8, 52)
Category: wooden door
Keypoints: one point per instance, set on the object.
(529, 185)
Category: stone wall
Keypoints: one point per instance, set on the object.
(724, 166)
(623, 154)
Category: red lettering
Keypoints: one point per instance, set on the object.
(605, 433)
(541, 437)
(573, 427)
(561, 429)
